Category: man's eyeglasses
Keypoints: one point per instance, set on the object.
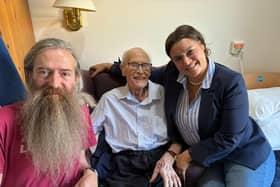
(135, 66)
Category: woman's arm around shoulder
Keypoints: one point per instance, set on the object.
(157, 74)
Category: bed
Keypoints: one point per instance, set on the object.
(264, 108)
(264, 103)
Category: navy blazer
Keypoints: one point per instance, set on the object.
(226, 131)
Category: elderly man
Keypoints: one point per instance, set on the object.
(134, 122)
(43, 139)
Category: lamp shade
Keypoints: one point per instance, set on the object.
(86, 5)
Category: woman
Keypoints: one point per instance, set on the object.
(207, 106)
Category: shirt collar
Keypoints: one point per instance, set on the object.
(153, 93)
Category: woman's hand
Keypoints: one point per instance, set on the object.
(182, 163)
(98, 68)
(164, 167)
(89, 179)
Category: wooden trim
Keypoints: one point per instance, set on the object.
(262, 79)
(16, 29)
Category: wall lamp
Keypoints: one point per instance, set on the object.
(72, 11)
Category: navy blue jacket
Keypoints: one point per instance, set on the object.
(226, 131)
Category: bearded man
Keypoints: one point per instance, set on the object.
(43, 139)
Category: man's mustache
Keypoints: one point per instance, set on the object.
(49, 91)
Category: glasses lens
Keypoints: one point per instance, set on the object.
(136, 66)
(133, 65)
(146, 66)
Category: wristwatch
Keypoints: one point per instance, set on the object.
(172, 153)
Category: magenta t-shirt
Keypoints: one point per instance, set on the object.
(16, 165)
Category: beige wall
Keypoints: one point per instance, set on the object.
(121, 24)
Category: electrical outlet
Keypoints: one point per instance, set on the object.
(236, 47)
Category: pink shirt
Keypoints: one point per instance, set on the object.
(16, 165)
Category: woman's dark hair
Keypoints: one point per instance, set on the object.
(181, 32)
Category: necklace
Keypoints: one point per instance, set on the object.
(195, 83)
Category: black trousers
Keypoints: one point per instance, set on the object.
(135, 168)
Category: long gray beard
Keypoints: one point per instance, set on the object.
(54, 131)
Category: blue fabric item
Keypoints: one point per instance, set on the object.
(11, 86)
(276, 181)
(230, 174)
(101, 159)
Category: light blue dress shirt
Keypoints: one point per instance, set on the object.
(187, 113)
(130, 124)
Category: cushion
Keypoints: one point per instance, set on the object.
(86, 83)
(104, 82)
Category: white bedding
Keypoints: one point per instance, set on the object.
(271, 129)
(264, 107)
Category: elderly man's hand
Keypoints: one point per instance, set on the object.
(89, 179)
(98, 68)
(164, 167)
